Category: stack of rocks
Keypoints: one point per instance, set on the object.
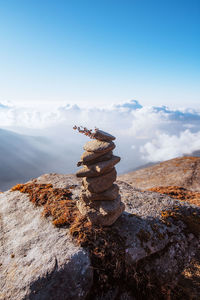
(99, 200)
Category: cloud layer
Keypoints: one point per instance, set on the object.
(144, 133)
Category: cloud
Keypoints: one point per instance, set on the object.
(144, 133)
(164, 146)
(131, 105)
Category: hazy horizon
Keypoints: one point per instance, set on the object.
(43, 141)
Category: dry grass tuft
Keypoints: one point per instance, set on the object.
(57, 202)
(179, 193)
(107, 252)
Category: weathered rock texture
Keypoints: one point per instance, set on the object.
(37, 260)
(97, 201)
(41, 262)
(182, 172)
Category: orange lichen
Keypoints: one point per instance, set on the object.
(179, 193)
(57, 202)
(191, 221)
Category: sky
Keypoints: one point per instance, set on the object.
(131, 68)
(98, 53)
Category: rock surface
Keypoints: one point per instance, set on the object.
(37, 260)
(183, 172)
(41, 262)
(179, 193)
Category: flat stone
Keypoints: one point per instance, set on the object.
(99, 146)
(101, 183)
(110, 194)
(103, 213)
(90, 156)
(102, 157)
(103, 136)
(87, 172)
(98, 168)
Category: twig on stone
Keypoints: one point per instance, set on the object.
(85, 131)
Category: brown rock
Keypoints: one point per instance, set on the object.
(103, 213)
(102, 157)
(90, 172)
(98, 168)
(101, 183)
(90, 156)
(103, 136)
(110, 194)
(99, 146)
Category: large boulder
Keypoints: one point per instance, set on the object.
(37, 260)
(161, 233)
(40, 261)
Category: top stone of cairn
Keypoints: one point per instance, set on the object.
(103, 136)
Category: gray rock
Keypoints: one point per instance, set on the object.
(101, 183)
(99, 168)
(108, 195)
(103, 136)
(98, 146)
(163, 250)
(41, 262)
(37, 260)
(103, 213)
(166, 248)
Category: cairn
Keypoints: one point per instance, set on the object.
(99, 200)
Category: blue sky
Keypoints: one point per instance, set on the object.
(100, 52)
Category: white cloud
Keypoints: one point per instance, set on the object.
(164, 146)
(144, 133)
(129, 106)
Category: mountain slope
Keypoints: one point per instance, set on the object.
(21, 157)
(183, 172)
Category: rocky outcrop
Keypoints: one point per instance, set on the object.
(182, 172)
(40, 261)
(37, 260)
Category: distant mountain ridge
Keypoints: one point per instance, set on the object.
(149, 164)
(21, 157)
(182, 171)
